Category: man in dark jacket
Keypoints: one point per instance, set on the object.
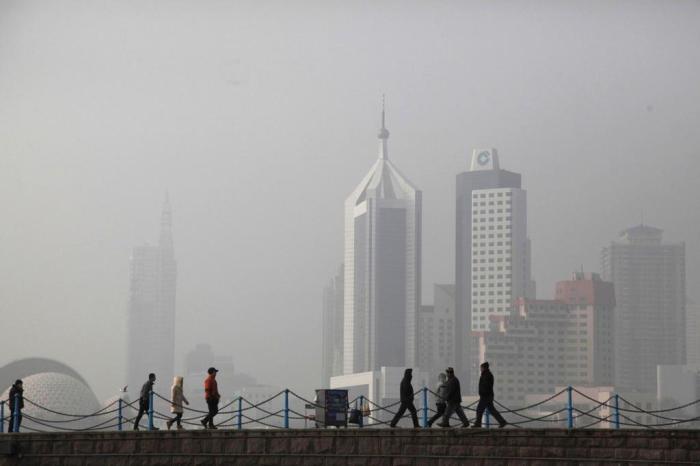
(144, 399)
(486, 397)
(454, 400)
(406, 400)
(16, 396)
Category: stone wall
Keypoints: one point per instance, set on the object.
(356, 447)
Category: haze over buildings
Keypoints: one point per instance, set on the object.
(650, 315)
(259, 118)
(545, 343)
(332, 328)
(151, 313)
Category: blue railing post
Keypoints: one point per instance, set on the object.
(487, 416)
(360, 420)
(15, 420)
(2, 416)
(150, 410)
(240, 412)
(570, 407)
(286, 408)
(121, 417)
(425, 406)
(617, 411)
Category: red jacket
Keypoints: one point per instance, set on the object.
(211, 389)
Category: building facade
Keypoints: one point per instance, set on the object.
(542, 344)
(492, 251)
(382, 268)
(692, 334)
(332, 338)
(650, 318)
(151, 310)
(436, 334)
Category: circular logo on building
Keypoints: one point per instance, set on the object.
(483, 158)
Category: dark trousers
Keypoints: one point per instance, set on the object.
(213, 406)
(11, 422)
(487, 403)
(451, 409)
(177, 419)
(143, 408)
(406, 405)
(440, 411)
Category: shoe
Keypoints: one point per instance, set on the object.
(169, 424)
(444, 425)
(136, 427)
(476, 426)
(204, 423)
(465, 426)
(180, 428)
(212, 427)
(501, 426)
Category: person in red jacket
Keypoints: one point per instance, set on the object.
(211, 395)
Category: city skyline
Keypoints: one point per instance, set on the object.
(258, 121)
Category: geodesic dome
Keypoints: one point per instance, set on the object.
(56, 392)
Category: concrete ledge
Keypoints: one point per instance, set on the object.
(356, 447)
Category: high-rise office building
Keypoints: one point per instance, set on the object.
(151, 314)
(542, 344)
(649, 279)
(436, 332)
(332, 338)
(382, 268)
(492, 251)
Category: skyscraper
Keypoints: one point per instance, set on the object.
(382, 268)
(649, 279)
(492, 250)
(332, 338)
(151, 314)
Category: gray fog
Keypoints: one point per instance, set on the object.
(259, 118)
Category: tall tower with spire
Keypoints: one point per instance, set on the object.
(151, 313)
(382, 267)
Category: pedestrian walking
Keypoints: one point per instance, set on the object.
(177, 397)
(406, 400)
(440, 399)
(486, 398)
(16, 405)
(145, 399)
(211, 395)
(454, 398)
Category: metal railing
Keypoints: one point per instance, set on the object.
(278, 412)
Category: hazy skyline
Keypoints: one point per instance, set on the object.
(259, 118)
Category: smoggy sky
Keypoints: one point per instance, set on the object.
(259, 118)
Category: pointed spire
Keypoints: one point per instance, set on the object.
(383, 134)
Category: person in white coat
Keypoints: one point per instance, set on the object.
(177, 397)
